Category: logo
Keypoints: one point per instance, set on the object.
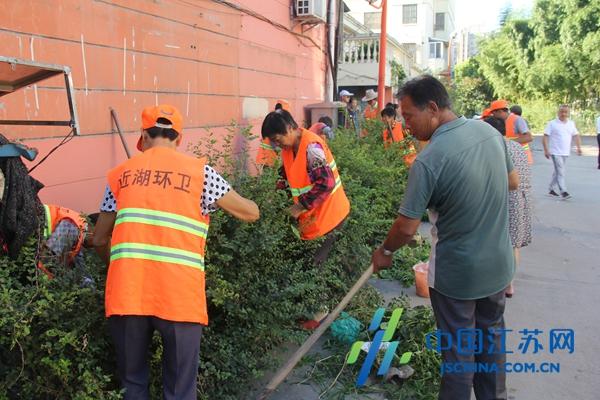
(382, 339)
(492, 342)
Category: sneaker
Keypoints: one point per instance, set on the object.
(552, 193)
(565, 195)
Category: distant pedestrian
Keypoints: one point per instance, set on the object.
(355, 116)
(343, 117)
(557, 146)
(372, 106)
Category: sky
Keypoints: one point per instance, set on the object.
(483, 15)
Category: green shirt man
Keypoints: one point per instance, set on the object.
(456, 180)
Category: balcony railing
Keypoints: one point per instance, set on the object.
(359, 63)
(361, 49)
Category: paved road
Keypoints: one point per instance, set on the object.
(558, 282)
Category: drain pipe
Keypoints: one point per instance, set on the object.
(331, 76)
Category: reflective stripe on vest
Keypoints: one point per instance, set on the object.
(157, 253)
(48, 228)
(306, 189)
(338, 184)
(266, 146)
(163, 219)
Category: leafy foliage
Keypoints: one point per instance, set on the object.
(550, 58)
(54, 342)
(53, 336)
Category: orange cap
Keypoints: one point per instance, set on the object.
(498, 105)
(486, 113)
(284, 104)
(151, 114)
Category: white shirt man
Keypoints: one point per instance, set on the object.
(557, 146)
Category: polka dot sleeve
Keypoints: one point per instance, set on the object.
(215, 187)
(109, 204)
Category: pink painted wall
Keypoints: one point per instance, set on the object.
(214, 63)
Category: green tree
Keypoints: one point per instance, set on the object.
(470, 91)
(554, 55)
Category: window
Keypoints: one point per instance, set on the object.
(435, 50)
(440, 19)
(303, 7)
(373, 20)
(409, 14)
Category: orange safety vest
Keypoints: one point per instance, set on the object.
(370, 113)
(398, 136)
(54, 215)
(158, 242)
(266, 154)
(511, 134)
(329, 214)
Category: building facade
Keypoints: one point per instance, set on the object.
(216, 63)
(426, 29)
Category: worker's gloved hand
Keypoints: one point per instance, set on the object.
(380, 261)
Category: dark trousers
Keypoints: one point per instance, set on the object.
(486, 314)
(322, 253)
(132, 335)
(598, 139)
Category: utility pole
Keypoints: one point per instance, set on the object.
(382, 56)
(382, 52)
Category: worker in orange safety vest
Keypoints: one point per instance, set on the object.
(311, 174)
(267, 152)
(516, 127)
(65, 235)
(393, 133)
(152, 233)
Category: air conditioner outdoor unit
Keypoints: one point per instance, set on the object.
(311, 10)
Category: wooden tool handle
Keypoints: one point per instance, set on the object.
(285, 370)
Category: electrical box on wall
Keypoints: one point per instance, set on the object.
(311, 10)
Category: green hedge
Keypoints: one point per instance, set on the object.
(260, 281)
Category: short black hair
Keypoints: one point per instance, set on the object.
(277, 123)
(168, 133)
(498, 124)
(326, 120)
(424, 89)
(388, 112)
(516, 109)
(392, 105)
